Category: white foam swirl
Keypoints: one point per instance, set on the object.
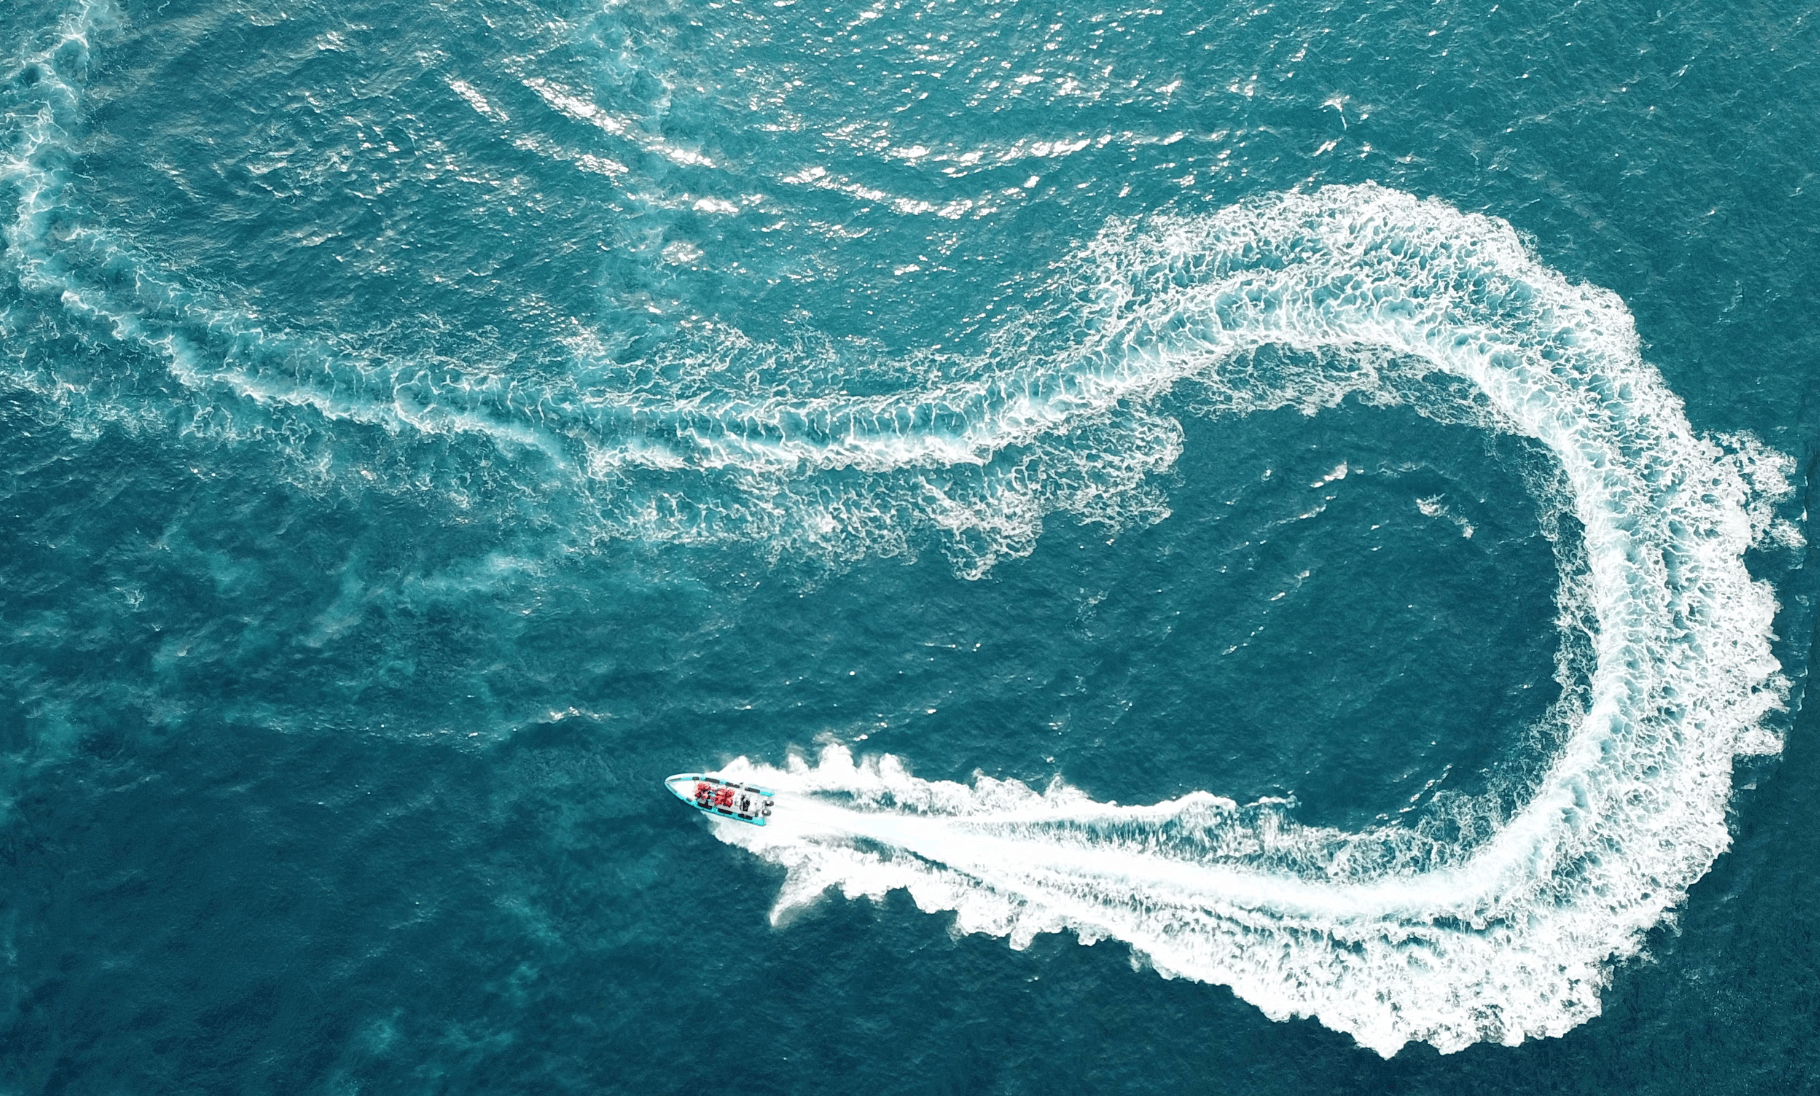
(1385, 934)
(1373, 936)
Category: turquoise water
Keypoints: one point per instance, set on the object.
(1309, 502)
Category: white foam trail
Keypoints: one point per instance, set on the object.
(1372, 933)
(1389, 934)
(584, 110)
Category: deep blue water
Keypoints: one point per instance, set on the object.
(426, 427)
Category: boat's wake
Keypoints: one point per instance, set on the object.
(1379, 933)
(1387, 934)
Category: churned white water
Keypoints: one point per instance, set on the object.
(1381, 933)
(1390, 934)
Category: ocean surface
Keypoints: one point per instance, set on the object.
(1263, 548)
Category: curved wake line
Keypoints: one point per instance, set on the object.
(1387, 934)
(1514, 938)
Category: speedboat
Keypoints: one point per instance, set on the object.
(712, 795)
